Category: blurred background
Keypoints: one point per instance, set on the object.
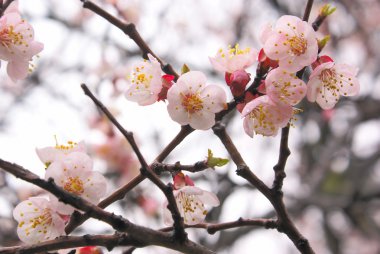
(332, 188)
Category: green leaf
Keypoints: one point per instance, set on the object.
(185, 69)
(327, 10)
(322, 43)
(215, 161)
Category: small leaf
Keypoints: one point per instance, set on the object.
(327, 10)
(215, 161)
(185, 69)
(322, 43)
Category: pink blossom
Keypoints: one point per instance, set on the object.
(190, 200)
(284, 87)
(58, 152)
(38, 220)
(293, 43)
(264, 117)
(17, 44)
(193, 102)
(329, 81)
(145, 82)
(233, 59)
(74, 174)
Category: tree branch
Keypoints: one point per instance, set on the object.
(145, 236)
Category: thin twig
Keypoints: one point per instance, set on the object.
(130, 30)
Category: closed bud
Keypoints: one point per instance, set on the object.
(238, 80)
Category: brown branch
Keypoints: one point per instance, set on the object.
(65, 242)
(146, 171)
(279, 169)
(4, 6)
(285, 225)
(144, 236)
(130, 30)
(307, 11)
(242, 170)
(158, 168)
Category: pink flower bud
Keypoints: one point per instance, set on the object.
(89, 250)
(238, 80)
(167, 82)
(320, 60)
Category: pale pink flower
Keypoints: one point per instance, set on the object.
(190, 201)
(145, 82)
(58, 152)
(293, 43)
(17, 44)
(193, 102)
(263, 116)
(329, 81)
(38, 220)
(233, 59)
(284, 87)
(74, 174)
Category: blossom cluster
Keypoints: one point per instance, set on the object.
(44, 218)
(288, 47)
(17, 44)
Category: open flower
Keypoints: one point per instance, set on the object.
(58, 152)
(193, 102)
(17, 44)
(263, 116)
(284, 87)
(190, 201)
(329, 81)
(293, 43)
(75, 175)
(38, 220)
(145, 82)
(233, 59)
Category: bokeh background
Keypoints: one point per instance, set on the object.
(332, 188)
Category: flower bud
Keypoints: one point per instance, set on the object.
(237, 81)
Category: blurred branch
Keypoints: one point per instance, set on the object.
(130, 30)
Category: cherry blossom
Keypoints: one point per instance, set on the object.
(17, 44)
(329, 81)
(293, 43)
(75, 175)
(233, 59)
(38, 220)
(145, 82)
(191, 201)
(263, 116)
(193, 102)
(58, 152)
(284, 87)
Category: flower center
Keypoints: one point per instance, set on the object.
(298, 45)
(328, 76)
(330, 83)
(191, 204)
(192, 103)
(74, 185)
(231, 52)
(43, 219)
(8, 37)
(70, 145)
